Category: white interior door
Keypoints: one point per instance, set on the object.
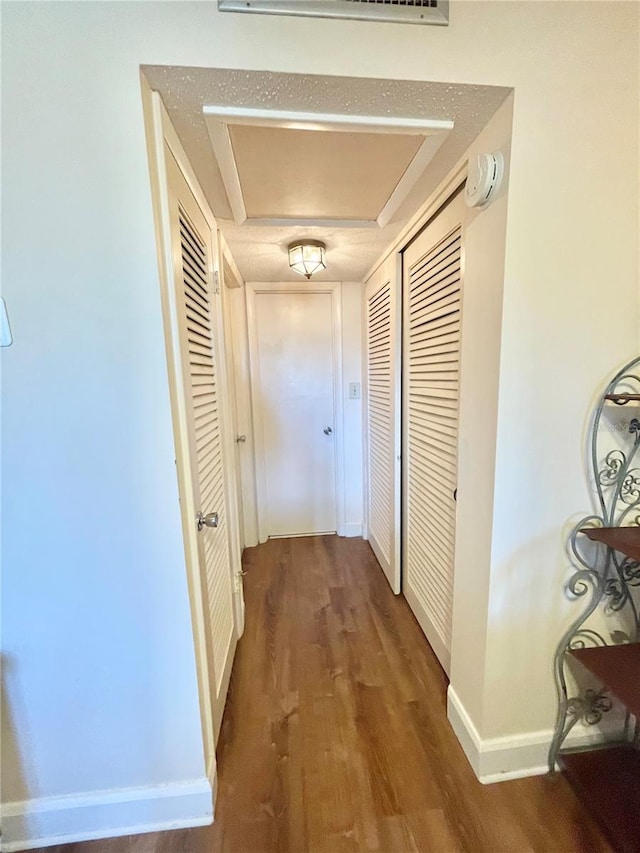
(382, 413)
(293, 386)
(197, 308)
(432, 285)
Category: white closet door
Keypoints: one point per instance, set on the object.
(196, 306)
(432, 305)
(382, 410)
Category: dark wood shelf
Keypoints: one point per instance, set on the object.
(618, 668)
(624, 539)
(621, 399)
(608, 782)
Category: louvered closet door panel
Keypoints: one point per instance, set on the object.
(379, 413)
(191, 322)
(382, 403)
(433, 287)
(204, 392)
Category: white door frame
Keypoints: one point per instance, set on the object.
(238, 346)
(335, 289)
(160, 132)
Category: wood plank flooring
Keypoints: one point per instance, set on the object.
(335, 737)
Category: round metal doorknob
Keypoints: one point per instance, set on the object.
(327, 431)
(209, 520)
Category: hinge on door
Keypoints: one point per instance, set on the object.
(216, 281)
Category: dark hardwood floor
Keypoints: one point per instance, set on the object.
(335, 736)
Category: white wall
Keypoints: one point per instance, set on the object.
(96, 622)
(99, 671)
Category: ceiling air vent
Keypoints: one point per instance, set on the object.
(398, 11)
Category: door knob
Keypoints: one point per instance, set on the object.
(240, 439)
(209, 520)
(327, 430)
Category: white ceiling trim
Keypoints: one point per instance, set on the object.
(223, 149)
(220, 117)
(416, 167)
(294, 120)
(314, 223)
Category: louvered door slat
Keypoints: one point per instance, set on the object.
(207, 438)
(380, 414)
(197, 339)
(432, 280)
(195, 245)
(197, 324)
(431, 265)
(446, 280)
(444, 345)
(199, 307)
(427, 307)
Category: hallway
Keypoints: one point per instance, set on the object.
(335, 735)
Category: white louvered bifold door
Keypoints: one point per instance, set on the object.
(196, 308)
(432, 286)
(382, 419)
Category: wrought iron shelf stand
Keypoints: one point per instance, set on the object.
(607, 776)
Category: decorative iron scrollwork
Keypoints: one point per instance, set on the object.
(590, 706)
(600, 575)
(614, 462)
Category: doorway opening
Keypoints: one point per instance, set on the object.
(354, 399)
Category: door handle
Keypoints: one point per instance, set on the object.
(209, 520)
(240, 439)
(327, 431)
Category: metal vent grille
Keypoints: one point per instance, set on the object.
(422, 4)
(435, 12)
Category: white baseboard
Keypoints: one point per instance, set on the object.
(514, 757)
(105, 814)
(351, 529)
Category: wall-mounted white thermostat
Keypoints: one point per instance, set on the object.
(484, 179)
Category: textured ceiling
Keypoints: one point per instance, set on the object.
(260, 252)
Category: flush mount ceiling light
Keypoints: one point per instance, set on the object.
(307, 257)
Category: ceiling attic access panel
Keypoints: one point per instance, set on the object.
(312, 169)
(364, 168)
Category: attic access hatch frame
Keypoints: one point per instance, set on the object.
(218, 118)
(430, 12)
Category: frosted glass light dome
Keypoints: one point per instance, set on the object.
(307, 257)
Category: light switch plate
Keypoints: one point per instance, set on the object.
(354, 390)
